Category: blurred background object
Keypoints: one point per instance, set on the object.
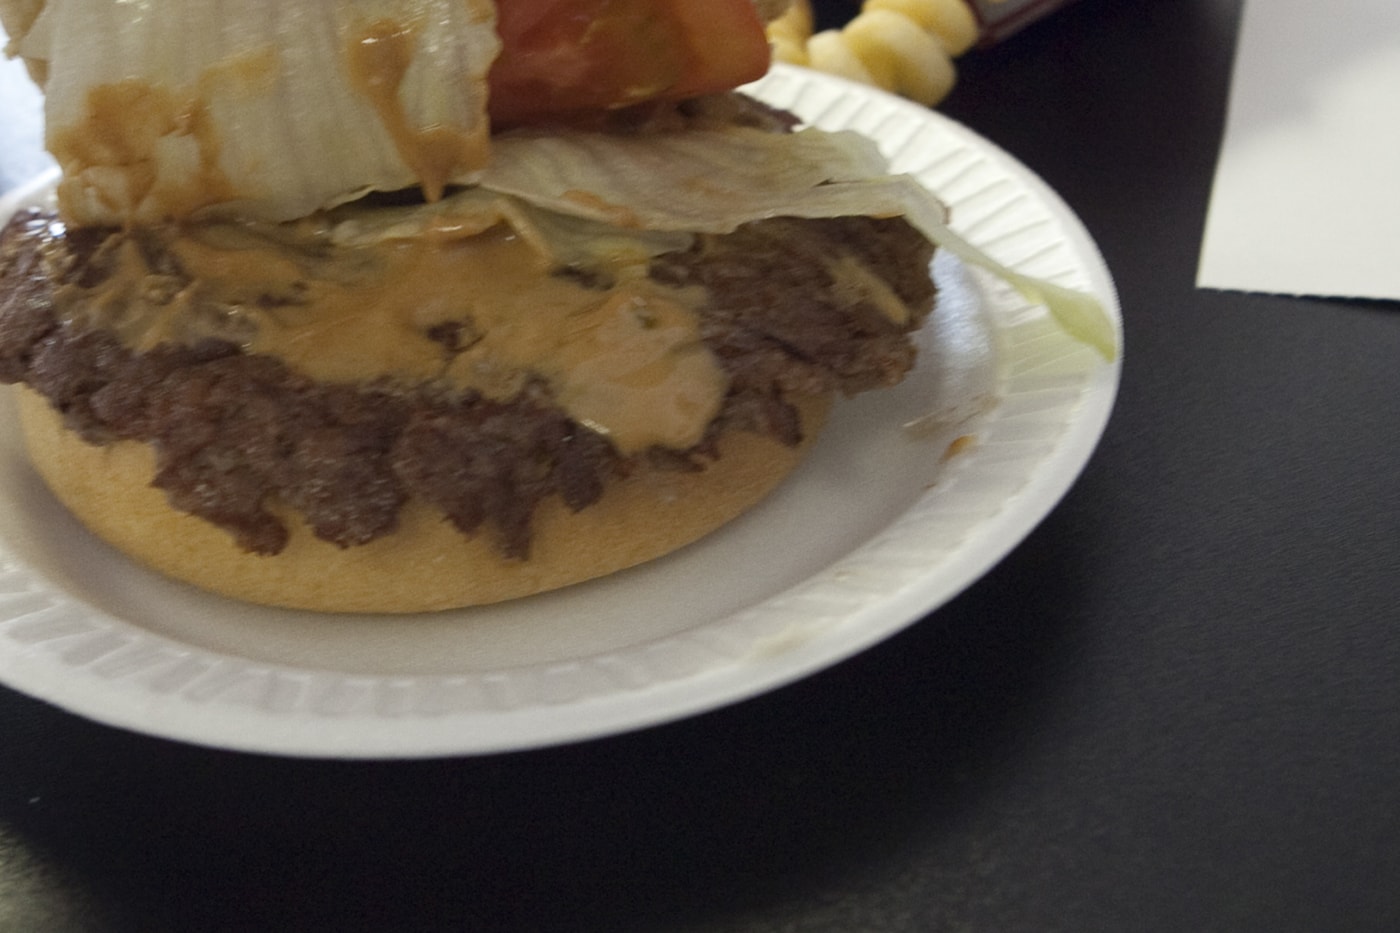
(22, 131)
(903, 46)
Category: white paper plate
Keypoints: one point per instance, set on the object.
(874, 530)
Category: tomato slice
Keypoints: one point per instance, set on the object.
(566, 56)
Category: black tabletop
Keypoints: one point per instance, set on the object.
(1173, 707)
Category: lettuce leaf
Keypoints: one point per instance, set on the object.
(714, 180)
(264, 109)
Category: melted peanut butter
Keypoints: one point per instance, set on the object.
(626, 361)
(853, 282)
(115, 154)
(378, 58)
(146, 152)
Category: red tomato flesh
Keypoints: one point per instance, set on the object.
(567, 56)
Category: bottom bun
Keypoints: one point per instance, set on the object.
(425, 565)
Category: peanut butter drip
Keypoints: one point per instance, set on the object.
(480, 312)
(854, 283)
(119, 157)
(379, 58)
(148, 152)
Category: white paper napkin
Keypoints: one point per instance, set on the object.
(1307, 190)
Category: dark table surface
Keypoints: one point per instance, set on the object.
(1174, 707)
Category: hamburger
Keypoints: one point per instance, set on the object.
(404, 305)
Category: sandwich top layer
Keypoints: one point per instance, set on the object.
(272, 110)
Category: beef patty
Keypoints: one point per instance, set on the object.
(235, 432)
